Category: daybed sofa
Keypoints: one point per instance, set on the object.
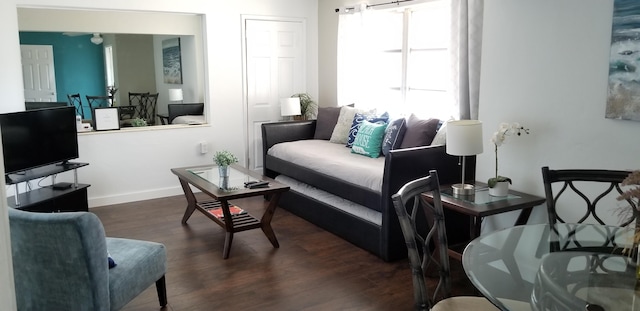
(339, 196)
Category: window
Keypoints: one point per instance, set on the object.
(397, 60)
(108, 65)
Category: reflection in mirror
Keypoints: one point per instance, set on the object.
(115, 54)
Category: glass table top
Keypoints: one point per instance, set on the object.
(539, 265)
(235, 180)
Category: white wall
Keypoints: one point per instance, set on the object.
(545, 65)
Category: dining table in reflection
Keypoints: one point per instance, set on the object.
(555, 267)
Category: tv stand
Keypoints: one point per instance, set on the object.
(49, 198)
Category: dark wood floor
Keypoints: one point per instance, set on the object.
(312, 269)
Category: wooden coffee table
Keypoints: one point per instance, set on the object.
(207, 179)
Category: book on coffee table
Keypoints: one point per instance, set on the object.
(234, 210)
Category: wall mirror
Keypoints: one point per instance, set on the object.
(114, 53)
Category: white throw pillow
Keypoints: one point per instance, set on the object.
(340, 133)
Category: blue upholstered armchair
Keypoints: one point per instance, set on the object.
(60, 262)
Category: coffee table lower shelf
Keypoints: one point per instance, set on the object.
(239, 222)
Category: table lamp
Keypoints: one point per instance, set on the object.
(290, 106)
(464, 138)
(175, 95)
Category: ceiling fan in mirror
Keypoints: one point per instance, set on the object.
(95, 39)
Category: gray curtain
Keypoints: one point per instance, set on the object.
(466, 47)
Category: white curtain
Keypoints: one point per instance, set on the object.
(466, 48)
(349, 28)
(354, 66)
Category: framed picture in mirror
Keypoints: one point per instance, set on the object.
(106, 118)
(172, 61)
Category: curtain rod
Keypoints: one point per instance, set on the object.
(348, 9)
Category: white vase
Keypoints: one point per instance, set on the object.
(501, 189)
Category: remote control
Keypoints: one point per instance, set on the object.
(260, 184)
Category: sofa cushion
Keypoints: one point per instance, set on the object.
(327, 119)
(340, 132)
(369, 139)
(420, 132)
(332, 160)
(393, 135)
(357, 120)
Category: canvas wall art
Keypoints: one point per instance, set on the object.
(172, 61)
(623, 98)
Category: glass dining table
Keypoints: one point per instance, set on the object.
(559, 267)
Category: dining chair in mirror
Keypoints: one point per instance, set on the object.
(148, 108)
(98, 101)
(588, 196)
(76, 101)
(420, 237)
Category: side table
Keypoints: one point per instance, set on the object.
(481, 204)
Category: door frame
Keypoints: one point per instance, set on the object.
(245, 88)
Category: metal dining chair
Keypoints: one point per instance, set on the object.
(589, 195)
(76, 101)
(148, 108)
(422, 236)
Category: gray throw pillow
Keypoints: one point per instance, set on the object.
(327, 118)
(420, 132)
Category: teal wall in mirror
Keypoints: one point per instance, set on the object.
(79, 65)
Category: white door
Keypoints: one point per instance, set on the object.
(38, 73)
(275, 69)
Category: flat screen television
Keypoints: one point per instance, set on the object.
(39, 137)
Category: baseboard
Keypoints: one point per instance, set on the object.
(134, 196)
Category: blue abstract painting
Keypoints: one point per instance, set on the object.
(623, 98)
(172, 61)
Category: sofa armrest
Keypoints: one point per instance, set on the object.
(279, 132)
(404, 165)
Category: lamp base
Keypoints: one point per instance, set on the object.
(463, 189)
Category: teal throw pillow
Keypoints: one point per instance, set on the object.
(357, 120)
(369, 139)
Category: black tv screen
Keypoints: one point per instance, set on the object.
(38, 137)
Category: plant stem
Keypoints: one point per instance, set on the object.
(496, 149)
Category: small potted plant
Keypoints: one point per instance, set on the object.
(223, 159)
(137, 122)
(308, 108)
(499, 185)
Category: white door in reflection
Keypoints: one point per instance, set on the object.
(275, 69)
(38, 73)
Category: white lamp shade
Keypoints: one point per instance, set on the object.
(175, 95)
(290, 106)
(464, 137)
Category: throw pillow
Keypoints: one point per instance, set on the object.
(110, 261)
(369, 139)
(420, 132)
(326, 121)
(393, 135)
(340, 132)
(357, 120)
(441, 135)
